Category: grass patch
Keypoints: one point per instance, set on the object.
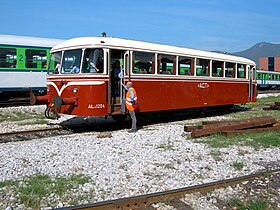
(256, 109)
(238, 165)
(166, 146)
(258, 204)
(32, 190)
(19, 116)
(256, 140)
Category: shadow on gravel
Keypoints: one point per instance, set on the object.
(100, 124)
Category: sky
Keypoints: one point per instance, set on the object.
(224, 25)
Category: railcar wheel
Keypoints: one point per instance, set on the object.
(119, 117)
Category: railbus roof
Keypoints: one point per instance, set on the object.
(28, 41)
(126, 44)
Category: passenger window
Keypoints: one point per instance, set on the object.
(259, 76)
(8, 58)
(202, 67)
(93, 61)
(241, 71)
(143, 63)
(217, 68)
(54, 65)
(186, 66)
(71, 61)
(167, 64)
(230, 69)
(36, 59)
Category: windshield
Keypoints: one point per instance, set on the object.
(71, 61)
(54, 64)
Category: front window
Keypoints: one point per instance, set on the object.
(54, 64)
(71, 61)
(93, 61)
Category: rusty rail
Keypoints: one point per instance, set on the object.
(142, 201)
(30, 131)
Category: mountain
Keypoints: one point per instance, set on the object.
(262, 49)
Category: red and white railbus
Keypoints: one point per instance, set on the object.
(85, 74)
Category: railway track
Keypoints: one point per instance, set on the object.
(268, 91)
(145, 201)
(31, 134)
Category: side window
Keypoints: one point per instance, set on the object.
(259, 75)
(241, 71)
(202, 67)
(36, 59)
(8, 58)
(93, 61)
(186, 66)
(54, 64)
(166, 64)
(217, 68)
(143, 63)
(230, 69)
(71, 61)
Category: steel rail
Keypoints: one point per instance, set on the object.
(142, 201)
(30, 131)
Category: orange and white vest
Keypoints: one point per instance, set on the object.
(128, 99)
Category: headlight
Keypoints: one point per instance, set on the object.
(75, 90)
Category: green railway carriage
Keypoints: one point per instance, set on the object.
(23, 65)
(268, 79)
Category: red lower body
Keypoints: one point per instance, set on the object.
(92, 97)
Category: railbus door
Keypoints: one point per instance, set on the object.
(117, 65)
(251, 84)
(251, 88)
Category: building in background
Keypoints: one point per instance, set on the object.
(269, 63)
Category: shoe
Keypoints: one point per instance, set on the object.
(132, 131)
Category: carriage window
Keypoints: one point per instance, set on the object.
(217, 68)
(167, 64)
(144, 63)
(230, 69)
(93, 61)
(36, 59)
(259, 76)
(8, 58)
(71, 61)
(272, 76)
(54, 64)
(186, 66)
(241, 72)
(202, 67)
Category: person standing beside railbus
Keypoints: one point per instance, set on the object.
(131, 104)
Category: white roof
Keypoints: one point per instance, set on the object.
(28, 41)
(87, 42)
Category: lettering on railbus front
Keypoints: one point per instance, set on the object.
(96, 106)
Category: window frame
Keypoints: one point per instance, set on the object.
(154, 60)
(14, 56)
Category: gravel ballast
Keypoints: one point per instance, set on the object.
(156, 158)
